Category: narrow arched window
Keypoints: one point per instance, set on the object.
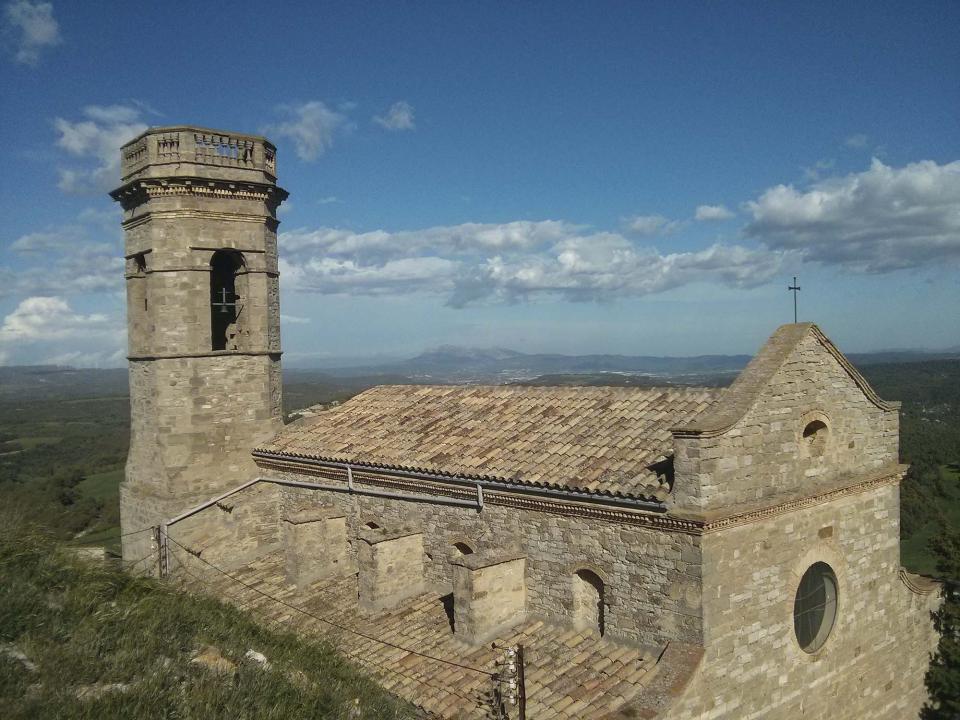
(588, 600)
(223, 297)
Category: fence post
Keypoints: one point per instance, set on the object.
(164, 550)
(521, 686)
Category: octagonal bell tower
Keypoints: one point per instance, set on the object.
(203, 317)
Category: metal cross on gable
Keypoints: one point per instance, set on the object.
(223, 303)
(794, 289)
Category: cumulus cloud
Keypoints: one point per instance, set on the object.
(651, 225)
(96, 139)
(51, 318)
(398, 117)
(879, 220)
(41, 325)
(34, 27)
(311, 126)
(82, 256)
(712, 212)
(505, 262)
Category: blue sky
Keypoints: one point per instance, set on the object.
(570, 177)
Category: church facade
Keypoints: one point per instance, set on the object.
(663, 553)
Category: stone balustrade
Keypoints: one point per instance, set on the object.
(189, 147)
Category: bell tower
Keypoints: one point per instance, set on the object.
(203, 317)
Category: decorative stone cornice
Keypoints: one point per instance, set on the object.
(137, 192)
(919, 584)
(761, 514)
(668, 522)
(505, 498)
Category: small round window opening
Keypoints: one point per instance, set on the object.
(815, 607)
(815, 437)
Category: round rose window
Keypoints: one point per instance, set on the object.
(815, 607)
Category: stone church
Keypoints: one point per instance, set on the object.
(672, 553)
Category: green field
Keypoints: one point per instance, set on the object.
(914, 551)
(102, 485)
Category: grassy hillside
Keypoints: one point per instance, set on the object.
(82, 641)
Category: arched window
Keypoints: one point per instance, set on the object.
(588, 600)
(224, 305)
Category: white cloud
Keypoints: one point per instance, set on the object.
(96, 139)
(507, 262)
(311, 126)
(857, 141)
(379, 245)
(651, 225)
(712, 212)
(47, 328)
(607, 266)
(329, 200)
(294, 320)
(35, 28)
(82, 256)
(102, 358)
(398, 117)
(51, 318)
(879, 220)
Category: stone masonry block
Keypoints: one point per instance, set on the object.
(315, 540)
(391, 567)
(489, 594)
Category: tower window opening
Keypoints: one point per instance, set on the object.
(223, 298)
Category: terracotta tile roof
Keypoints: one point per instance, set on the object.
(570, 674)
(596, 439)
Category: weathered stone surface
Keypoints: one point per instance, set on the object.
(489, 594)
(315, 541)
(391, 566)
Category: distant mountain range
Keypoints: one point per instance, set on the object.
(453, 364)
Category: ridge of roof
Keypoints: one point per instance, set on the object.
(745, 390)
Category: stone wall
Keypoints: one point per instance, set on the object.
(652, 590)
(230, 534)
(765, 456)
(489, 594)
(871, 665)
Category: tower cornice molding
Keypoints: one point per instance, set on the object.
(142, 190)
